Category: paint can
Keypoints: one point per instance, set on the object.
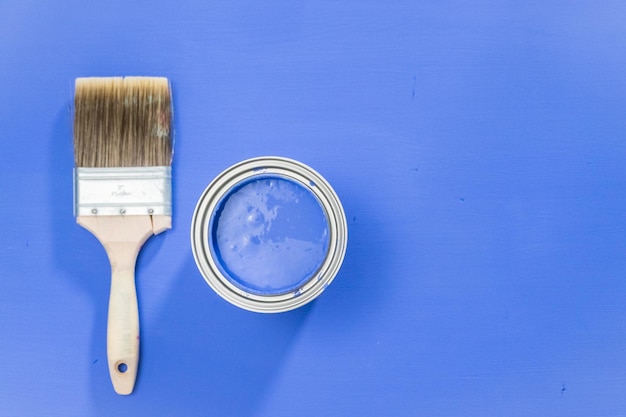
(269, 234)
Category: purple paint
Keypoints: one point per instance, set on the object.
(269, 235)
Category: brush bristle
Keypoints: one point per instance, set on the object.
(122, 122)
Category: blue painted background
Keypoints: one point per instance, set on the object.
(479, 150)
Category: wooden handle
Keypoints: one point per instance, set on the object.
(122, 238)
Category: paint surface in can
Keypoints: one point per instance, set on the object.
(269, 235)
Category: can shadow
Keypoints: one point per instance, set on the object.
(204, 352)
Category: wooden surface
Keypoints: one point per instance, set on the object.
(478, 148)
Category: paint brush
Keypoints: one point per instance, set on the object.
(122, 192)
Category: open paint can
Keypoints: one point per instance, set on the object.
(269, 234)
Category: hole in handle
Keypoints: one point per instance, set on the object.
(122, 367)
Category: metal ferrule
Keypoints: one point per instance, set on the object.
(123, 191)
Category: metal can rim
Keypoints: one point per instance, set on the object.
(292, 170)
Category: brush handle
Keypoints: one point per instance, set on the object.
(122, 238)
(123, 319)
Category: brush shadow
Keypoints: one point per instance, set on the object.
(76, 253)
(80, 258)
